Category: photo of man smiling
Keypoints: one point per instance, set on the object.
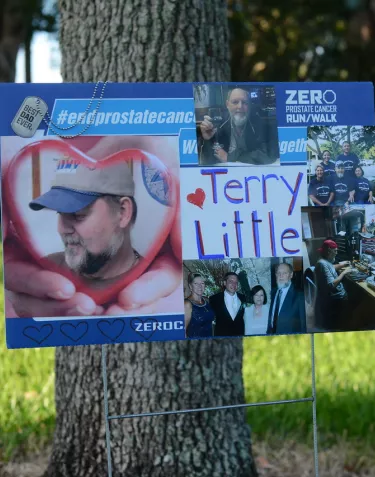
(236, 125)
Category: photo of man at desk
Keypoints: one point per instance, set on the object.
(338, 270)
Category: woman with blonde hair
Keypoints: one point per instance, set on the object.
(199, 316)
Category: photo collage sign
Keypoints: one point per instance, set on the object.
(186, 211)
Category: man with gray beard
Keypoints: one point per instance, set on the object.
(240, 138)
(343, 186)
(287, 310)
(96, 211)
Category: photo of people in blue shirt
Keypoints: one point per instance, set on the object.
(341, 165)
(327, 163)
(350, 160)
(363, 190)
(343, 185)
(320, 188)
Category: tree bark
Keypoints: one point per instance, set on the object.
(27, 43)
(149, 40)
(13, 25)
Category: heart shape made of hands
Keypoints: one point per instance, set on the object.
(19, 238)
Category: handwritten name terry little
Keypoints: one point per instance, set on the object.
(247, 190)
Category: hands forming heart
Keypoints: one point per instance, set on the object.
(149, 287)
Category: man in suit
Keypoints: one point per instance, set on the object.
(228, 309)
(243, 137)
(287, 311)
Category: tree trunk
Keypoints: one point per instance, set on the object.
(27, 43)
(149, 40)
(13, 22)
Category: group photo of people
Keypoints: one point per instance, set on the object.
(339, 267)
(341, 165)
(243, 297)
(236, 124)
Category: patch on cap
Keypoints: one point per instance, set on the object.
(66, 165)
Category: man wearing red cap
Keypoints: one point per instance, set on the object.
(331, 305)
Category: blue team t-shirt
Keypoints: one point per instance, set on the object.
(362, 190)
(351, 161)
(320, 189)
(341, 188)
(329, 168)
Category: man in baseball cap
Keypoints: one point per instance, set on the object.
(76, 186)
(327, 246)
(96, 210)
(331, 306)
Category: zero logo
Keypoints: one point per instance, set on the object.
(310, 96)
(329, 96)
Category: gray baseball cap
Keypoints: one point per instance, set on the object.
(77, 185)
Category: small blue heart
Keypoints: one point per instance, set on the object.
(111, 329)
(139, 325)
(74, 332)
(38, 335)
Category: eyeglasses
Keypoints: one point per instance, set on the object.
(282, 274)
(235, 102)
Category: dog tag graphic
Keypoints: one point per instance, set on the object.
(29, 116)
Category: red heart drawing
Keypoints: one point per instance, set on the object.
(20, 239)
(197, 198)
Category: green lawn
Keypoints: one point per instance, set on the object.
(26, 399)
(274, 368)
(280, 368)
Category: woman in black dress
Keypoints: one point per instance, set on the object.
(199, 316)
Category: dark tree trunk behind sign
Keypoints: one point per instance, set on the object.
(13, 27)
(149, 40)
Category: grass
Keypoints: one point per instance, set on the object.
(274, 368)
(278, 368)
(27, 396)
